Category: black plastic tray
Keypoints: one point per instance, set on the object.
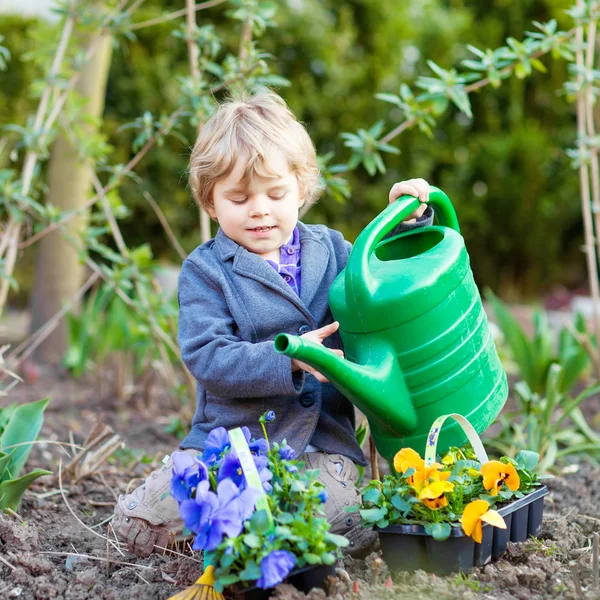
(304, 579)
(409, 547)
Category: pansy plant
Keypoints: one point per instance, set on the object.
(243, 542)
(458, 491)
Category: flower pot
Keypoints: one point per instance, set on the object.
(408, 547)
(305, 579)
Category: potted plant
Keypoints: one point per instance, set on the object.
(256, 513)
(471, 504)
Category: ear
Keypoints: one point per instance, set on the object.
(210, 209)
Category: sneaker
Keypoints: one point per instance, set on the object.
(148, 520)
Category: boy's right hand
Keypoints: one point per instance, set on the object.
(317, 336)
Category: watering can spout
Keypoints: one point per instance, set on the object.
(377, 389)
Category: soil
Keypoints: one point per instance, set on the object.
(56, 546)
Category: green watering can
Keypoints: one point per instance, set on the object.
(416, 339)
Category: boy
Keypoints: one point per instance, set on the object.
(252, 169)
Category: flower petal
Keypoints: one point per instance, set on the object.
(494, 518)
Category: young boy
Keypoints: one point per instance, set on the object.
(253, 169)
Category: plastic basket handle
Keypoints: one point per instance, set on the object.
(472, 435)
(240, 445)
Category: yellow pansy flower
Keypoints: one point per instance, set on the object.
(421, 478)
(407, 458)
(475, 514)
(495, 473)
(433, 495)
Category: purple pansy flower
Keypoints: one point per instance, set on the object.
(258, 446)
(231, 468)
(287, 452)
(322, 496)
(188, 472)
(216, 443)
(275, 567)
(211, 516)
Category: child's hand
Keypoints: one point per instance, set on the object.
(418, 188)
(317, 336)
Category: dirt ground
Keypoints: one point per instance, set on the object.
(56, 546)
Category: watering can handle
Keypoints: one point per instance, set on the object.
(434, 434)
(385, 222)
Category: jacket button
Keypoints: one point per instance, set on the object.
(304, 329)
(307, 400)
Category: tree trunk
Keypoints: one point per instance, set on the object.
(58, 272)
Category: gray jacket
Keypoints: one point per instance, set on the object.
(232, 304)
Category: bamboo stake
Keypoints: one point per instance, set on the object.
(194, 55)
(584, 180)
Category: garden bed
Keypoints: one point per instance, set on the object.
(534, 569)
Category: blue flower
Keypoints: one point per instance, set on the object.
(287, 452)
(274, 568)
(188, 472)
(258, 446)
(212, 516)
(231, 468)
(270, 416)
(322, 496)
(216, 443)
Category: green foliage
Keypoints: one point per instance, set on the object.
(106, 326)
(534, 357)
(19, 425)
(549, 423)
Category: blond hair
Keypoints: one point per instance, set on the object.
(251, 128)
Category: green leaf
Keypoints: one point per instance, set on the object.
(23, 426)
(260, 522)
(251, 572)
(252, 540)
(285, 518)
(401, 504)
(372, 495)
(226, 580)
(312, 559)
(527, 459)
(12, 491)
(440, 532)
(372, 515)
(338, 540)
(5, 460)
(328, 558)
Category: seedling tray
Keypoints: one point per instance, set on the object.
(304, 579)
(409, 547)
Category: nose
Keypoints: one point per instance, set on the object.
(259, 207)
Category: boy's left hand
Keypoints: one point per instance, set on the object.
(418, 188)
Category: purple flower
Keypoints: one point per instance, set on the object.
(211, 516)
(188, 472)
(270, 416)
(216, 443)
(274, 568)
(322, 496)
(231, 468)
(258, 446)
(287, 452)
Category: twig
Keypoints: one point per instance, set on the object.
(595, 552)
(107, 554)
(577, 581)
(16, 515)
(5, 562)
(64, 497)
(374, 462)
(163, 221)
(175, 15)
(103, 522)
(90, 557)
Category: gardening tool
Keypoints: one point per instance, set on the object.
(416, 339)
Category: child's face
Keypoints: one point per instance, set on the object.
(261, 218)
